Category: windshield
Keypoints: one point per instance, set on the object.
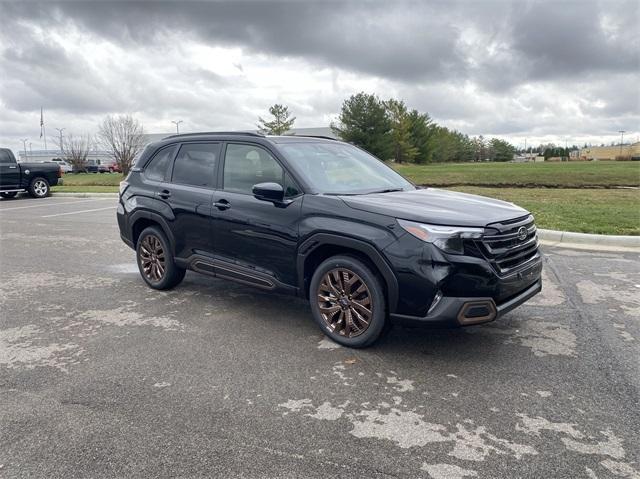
(339, 168)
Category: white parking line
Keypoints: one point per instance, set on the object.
(78, 212)
(54, 203)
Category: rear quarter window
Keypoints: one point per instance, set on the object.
(159, 167)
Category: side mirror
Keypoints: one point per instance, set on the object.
(268, 192)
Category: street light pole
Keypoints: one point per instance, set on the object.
(24, 145)
(60, 130)
(622, 132)
(30, 151)
(177, 123)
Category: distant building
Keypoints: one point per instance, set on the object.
(95, 157)
(610, 152)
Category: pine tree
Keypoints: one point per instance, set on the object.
(280, 124)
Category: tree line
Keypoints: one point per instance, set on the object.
(391, 131)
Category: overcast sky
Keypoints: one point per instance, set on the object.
(545, 71)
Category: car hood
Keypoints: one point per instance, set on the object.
(436, 206)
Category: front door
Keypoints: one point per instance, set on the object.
(189, 194)
(9, 171)
(250, 232)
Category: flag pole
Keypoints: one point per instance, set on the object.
(44, 131)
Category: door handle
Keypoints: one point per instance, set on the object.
(222, 205)
(164, 194)
(12, 167)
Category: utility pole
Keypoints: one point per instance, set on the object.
(525, 150)
(30, 151)
(24, 145)
(622, 132)
(60, 130)
(177, 123)
(565, 149)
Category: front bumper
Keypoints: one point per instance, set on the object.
(456, 311)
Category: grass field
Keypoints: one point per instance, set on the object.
(563, 203)
(567, 174)
(602, 211)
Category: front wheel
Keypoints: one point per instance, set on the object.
(155, 261)
(348, 302)
(39, 188)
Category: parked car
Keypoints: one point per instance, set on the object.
(35, 178)
(114, 167)
(327, 221)
(64, 166)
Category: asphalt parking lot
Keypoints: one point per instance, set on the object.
(102, 377)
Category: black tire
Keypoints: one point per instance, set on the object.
(348, 267)
(171, 275)
(39, 187)
(9, 194)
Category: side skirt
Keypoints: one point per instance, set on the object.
(241, 274)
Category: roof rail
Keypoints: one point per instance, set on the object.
(230, 133)
(315, 136)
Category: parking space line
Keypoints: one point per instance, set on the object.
(53, 203)
(81, 211)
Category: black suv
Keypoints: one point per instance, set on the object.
(327, 221)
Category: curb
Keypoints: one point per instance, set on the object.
(85, 195)
(569, 239)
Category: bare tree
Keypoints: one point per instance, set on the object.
(123, 136)
(75, 150)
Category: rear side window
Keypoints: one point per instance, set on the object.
(195, 164)
(158, 169)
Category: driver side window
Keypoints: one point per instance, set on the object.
(247, 165)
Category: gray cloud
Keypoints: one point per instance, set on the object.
(492, 66)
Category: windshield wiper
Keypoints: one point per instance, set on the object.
(387, 190)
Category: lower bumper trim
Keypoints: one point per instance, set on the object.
(457, 311)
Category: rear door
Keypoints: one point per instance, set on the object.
(189, 194)
(9, 171)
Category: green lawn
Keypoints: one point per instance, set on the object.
(92, 179)
(586, 210)
(567, 174)
(602, 211)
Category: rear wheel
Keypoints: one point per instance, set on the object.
(155, 261)
(9, 194)
(348, 302)
(39, 188)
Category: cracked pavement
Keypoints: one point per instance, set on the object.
(101, 376)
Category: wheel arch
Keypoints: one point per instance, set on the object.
(321, 246)
(143, 219)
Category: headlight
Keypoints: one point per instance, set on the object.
(448, 238)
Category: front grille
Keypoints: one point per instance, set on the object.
(505, 249)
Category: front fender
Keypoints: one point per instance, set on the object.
(315, 241)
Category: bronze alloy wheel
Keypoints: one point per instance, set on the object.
(152, 258)
(345, 302)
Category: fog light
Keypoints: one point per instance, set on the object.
(476, 312)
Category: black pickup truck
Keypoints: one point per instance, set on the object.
(36, 178)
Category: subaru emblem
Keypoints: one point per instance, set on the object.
(522, 233)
